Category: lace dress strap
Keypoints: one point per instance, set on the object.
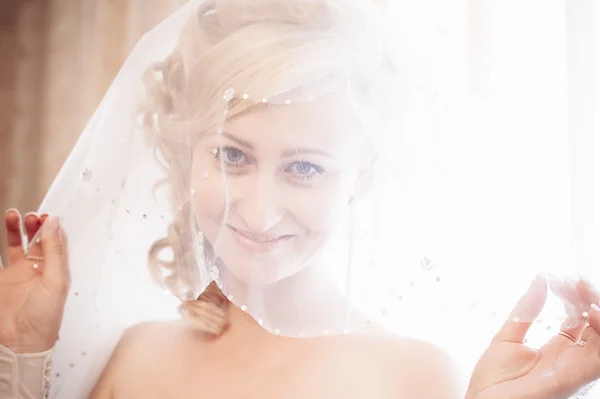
(24, 376)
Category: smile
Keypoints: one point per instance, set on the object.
(259, 243)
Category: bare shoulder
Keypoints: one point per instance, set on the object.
(147, 341)
(415, 367)
(156, 335)
(143, 352)
(431, 372)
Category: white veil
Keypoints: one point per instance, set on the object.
(426, 252)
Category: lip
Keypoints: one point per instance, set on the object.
(259, 243)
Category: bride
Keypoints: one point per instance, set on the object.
(263, 141)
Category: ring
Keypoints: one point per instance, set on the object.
(581, 343)
(568, 336)
(34, 257)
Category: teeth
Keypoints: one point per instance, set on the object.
(260, 240)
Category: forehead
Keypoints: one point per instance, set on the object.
(328, 121)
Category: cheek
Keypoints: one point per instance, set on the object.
(209, 194)
(321, 209)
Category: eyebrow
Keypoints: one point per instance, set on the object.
(240, 142)
(284, 154)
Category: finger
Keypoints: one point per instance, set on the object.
(583, 365)
(594, 321)
(569, 335)
(574, 303)
(590, 342)
(33, 250)
(524, 313)
(54, 247)
(12, 221)
(588, 293)
(575, 306)
(572, 293)
(573, 326)
(590, 337)
(565, 290)
(37, 239)
(32, 225)
(581, 295)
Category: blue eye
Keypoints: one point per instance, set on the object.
(304, 171)
(234, 155)
(304, 168)
(231, 156)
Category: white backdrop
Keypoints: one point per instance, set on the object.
(532, 71)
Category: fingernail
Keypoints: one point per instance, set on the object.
(538, 280)
(30, 214)
(12, 210)
(595, 308)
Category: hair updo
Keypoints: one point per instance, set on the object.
(268, 46)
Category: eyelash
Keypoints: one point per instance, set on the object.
(229, 164)
(318, 171)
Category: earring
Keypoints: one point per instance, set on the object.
(205, 174)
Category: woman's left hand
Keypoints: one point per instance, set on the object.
(509, 369)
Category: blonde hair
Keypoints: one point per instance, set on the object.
(271, 47)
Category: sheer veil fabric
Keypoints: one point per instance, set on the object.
(412, 223)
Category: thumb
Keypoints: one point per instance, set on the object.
(524, 313)
(54, 247)
(594, 319)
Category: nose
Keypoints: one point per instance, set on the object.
(259, 205)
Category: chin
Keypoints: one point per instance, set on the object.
(258, 272)
(261, 263)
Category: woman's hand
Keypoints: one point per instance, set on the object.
(509, 369)
(33, 285)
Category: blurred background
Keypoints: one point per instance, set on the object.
(57, 59)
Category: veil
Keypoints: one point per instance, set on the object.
(419, 241)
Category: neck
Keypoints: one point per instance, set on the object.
(303, 304)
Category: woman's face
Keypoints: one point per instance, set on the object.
(273, 189)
